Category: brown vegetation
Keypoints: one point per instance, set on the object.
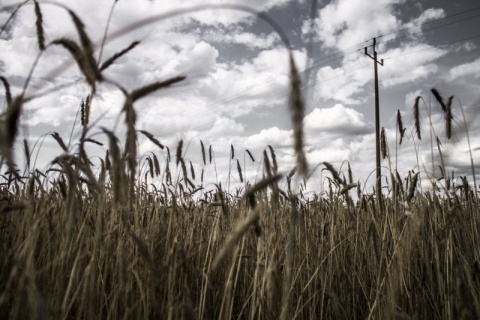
(130, 242)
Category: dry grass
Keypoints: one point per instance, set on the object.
(297, 110)
(187, 256)
(416, 116)
(401, 129)
(130, 242)
(39, 25)
(383, 144)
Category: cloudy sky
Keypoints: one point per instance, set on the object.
(237, 80)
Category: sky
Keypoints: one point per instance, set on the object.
(237, 81)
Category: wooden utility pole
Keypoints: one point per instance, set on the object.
(377, 122)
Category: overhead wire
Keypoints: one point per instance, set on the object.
(317, 64)
(214, 106)
(433, 28)
(246, 93)
(430, 21)
(312, 84)
(335, 56)
(315, 82)
(434, 47)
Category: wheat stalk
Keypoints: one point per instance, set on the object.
(250, 155)
(274, 159)
(6, 85)
(262, 184)
(192, 170)
(130, 151)
(266, 162)
(80, 58)
(8, 131)
(204, 158)
(168, 154)
(108, 164)
(184, 171)
(383, 144)
(239, 169)
(87, 105)
(289, 262)
(116, 166)
(334, 172)
(234, 237)
(447, 111)
(156, 165)
(118, 55)
(150, 167)
(411, 189)
(87, 48)
(350, 174)
(449, 118)
(179, 151)
(152, 139)
(400, 183)
(416, 116)
(241, 228)
(400, 127)
(439, 98)
(148, 89)
(210, 151)
(168, 175)
(39, 26)
(59, 140)
(297, 113)
(26, 150)
(347, 187)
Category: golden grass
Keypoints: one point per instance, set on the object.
(186, 256)
(132, 243)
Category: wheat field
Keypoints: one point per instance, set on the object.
(140, 237)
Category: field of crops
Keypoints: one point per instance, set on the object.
(143, 237)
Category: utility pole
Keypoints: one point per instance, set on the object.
(377, 123)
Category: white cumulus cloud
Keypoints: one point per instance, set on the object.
(336, 119)
(464, 70)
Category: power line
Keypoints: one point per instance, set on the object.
(315, 82)
(431, 21)
(434, 47)
(214, 106)
(311, 67)
(321, 62)
(245, 93)
(433, 28)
